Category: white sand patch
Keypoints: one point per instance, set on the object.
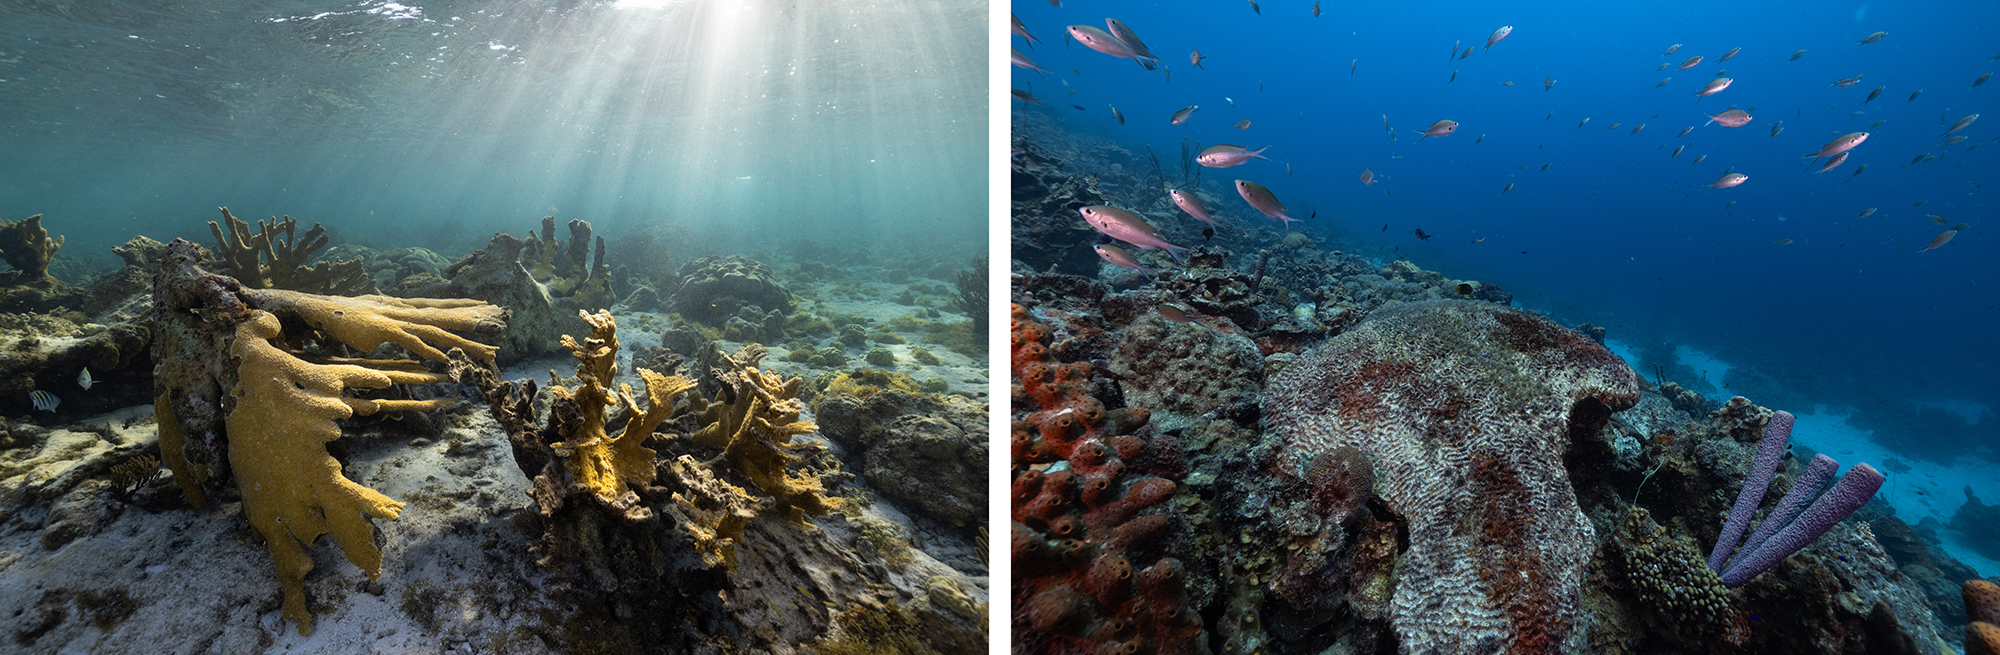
(1711, 369)
(1927, 490)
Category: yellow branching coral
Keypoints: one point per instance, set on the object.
(293, 491)
(605, 464)
(366, 322)
(266, 261)
(754, 424)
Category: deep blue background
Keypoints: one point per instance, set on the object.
(1615, 231)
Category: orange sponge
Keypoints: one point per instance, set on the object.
(1982, 601)
(1982, 638)
(1982, 614)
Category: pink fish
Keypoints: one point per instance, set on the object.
(1941, 239)
(1119, 257)
(1225, 156)
(1022, 61)
(1191, 203)
(1101, 41)
(1714, 86)
(1440, 129)
(1498, 35)
(1729, 180)
(1127, 227)
(1732, 52)
(1367, 177)
(1195, 58)
(1690, 63)
(1124, 35)
(1261, 198)
(1840, 145)
(1731, 118)
(1672, 49)
(1833, 163)
(1023, 31)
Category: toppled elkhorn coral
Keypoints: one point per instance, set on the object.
(235, 378)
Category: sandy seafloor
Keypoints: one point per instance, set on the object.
(1928, 489)
(457, 576)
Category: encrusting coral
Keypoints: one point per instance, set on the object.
(1467, 409)
(225, 374)
(266, 261)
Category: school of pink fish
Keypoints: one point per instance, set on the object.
(1121, 41)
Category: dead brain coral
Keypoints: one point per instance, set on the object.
(1466, 409)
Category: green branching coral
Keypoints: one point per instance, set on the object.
(275, 258)
(26, 246)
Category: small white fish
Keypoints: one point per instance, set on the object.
(44, 400)
(83, 379)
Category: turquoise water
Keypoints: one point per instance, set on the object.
(728, 127)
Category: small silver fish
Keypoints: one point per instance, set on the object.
(44, 400)
(1797, 55)
(83, 378)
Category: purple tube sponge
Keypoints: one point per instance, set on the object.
(1849, 494)
(1811, 483)
(1769, 453)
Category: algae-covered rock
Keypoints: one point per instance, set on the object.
(881, 357)
(1180, 371)
(925, 450)
(714, 288)
(26, 246)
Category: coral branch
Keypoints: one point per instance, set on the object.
(293, 491)
(266, 261)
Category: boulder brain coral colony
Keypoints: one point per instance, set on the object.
(1295, 450)
(679, 498)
